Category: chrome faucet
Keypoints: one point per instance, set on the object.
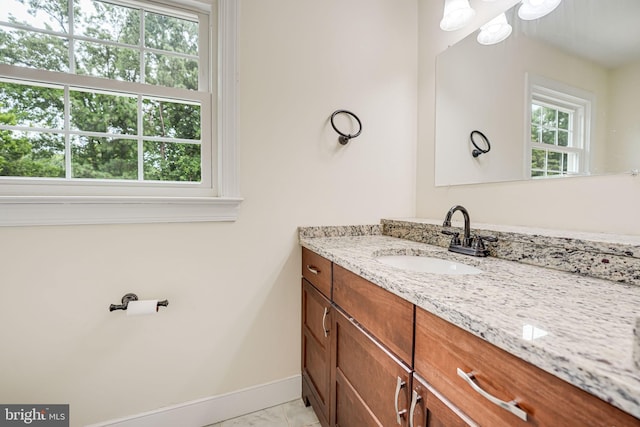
(468, 246)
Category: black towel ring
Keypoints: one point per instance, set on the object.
(344, 138)
(478, 150)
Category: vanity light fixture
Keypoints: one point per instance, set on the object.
(495, 31)
(534, 9)
(457, 14)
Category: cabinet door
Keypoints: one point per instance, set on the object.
(371, 385)
(316, 351)
(430, 409)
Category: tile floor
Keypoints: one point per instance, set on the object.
(290, 414)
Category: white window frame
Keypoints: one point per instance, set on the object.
(20, 207)
(564, 97)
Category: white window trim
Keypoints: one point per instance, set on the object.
(582, 98)
(16, 210)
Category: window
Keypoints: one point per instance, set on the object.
(558, 130)
(111, 103)
(555, 149)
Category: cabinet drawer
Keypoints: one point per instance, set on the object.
(430, 409)
(442, 349)
(317, 270)
(386, 316)
(371, 384)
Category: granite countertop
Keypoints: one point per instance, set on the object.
(577, 328)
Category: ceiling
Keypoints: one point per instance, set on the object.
(604, 31)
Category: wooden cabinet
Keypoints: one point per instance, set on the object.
(371, 385)
(316, 333)
(371, 358)
(318, 271)
(386, 316)
(316, 351)
(355, 372)
(430, 409)
(445, 353)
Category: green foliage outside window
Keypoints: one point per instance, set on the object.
(549, 127)
(102, 130)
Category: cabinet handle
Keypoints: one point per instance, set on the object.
(313, 269)
(415, 398)
(509, 406)
(324, 317)
(399, 413)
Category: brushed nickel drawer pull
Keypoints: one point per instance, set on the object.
(324, 317)
(509, 406)
(415, 398)
(313, 269)
(399, 413)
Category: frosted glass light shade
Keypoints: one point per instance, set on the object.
(495, 31)
(457, 14)
(534, 9)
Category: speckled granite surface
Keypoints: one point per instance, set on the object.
(340, 231)
(636, 343)
(610, 257)
(575, 327)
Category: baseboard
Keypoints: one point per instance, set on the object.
(209, 410)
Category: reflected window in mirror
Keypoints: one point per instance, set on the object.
(559, 118)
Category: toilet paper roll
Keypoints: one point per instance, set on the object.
(140, 308)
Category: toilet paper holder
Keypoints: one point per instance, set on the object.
(132, 297)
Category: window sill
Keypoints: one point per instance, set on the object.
(75, 210)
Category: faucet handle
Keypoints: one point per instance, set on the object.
(488, 238)
(478, 242)
(455, 240)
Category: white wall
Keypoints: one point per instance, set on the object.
(597, 204)
(233, 288)
(624, 133)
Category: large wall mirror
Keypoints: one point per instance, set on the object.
(559, 97)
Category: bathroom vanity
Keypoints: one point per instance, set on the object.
(515, 345)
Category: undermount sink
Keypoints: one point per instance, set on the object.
(425, 264)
